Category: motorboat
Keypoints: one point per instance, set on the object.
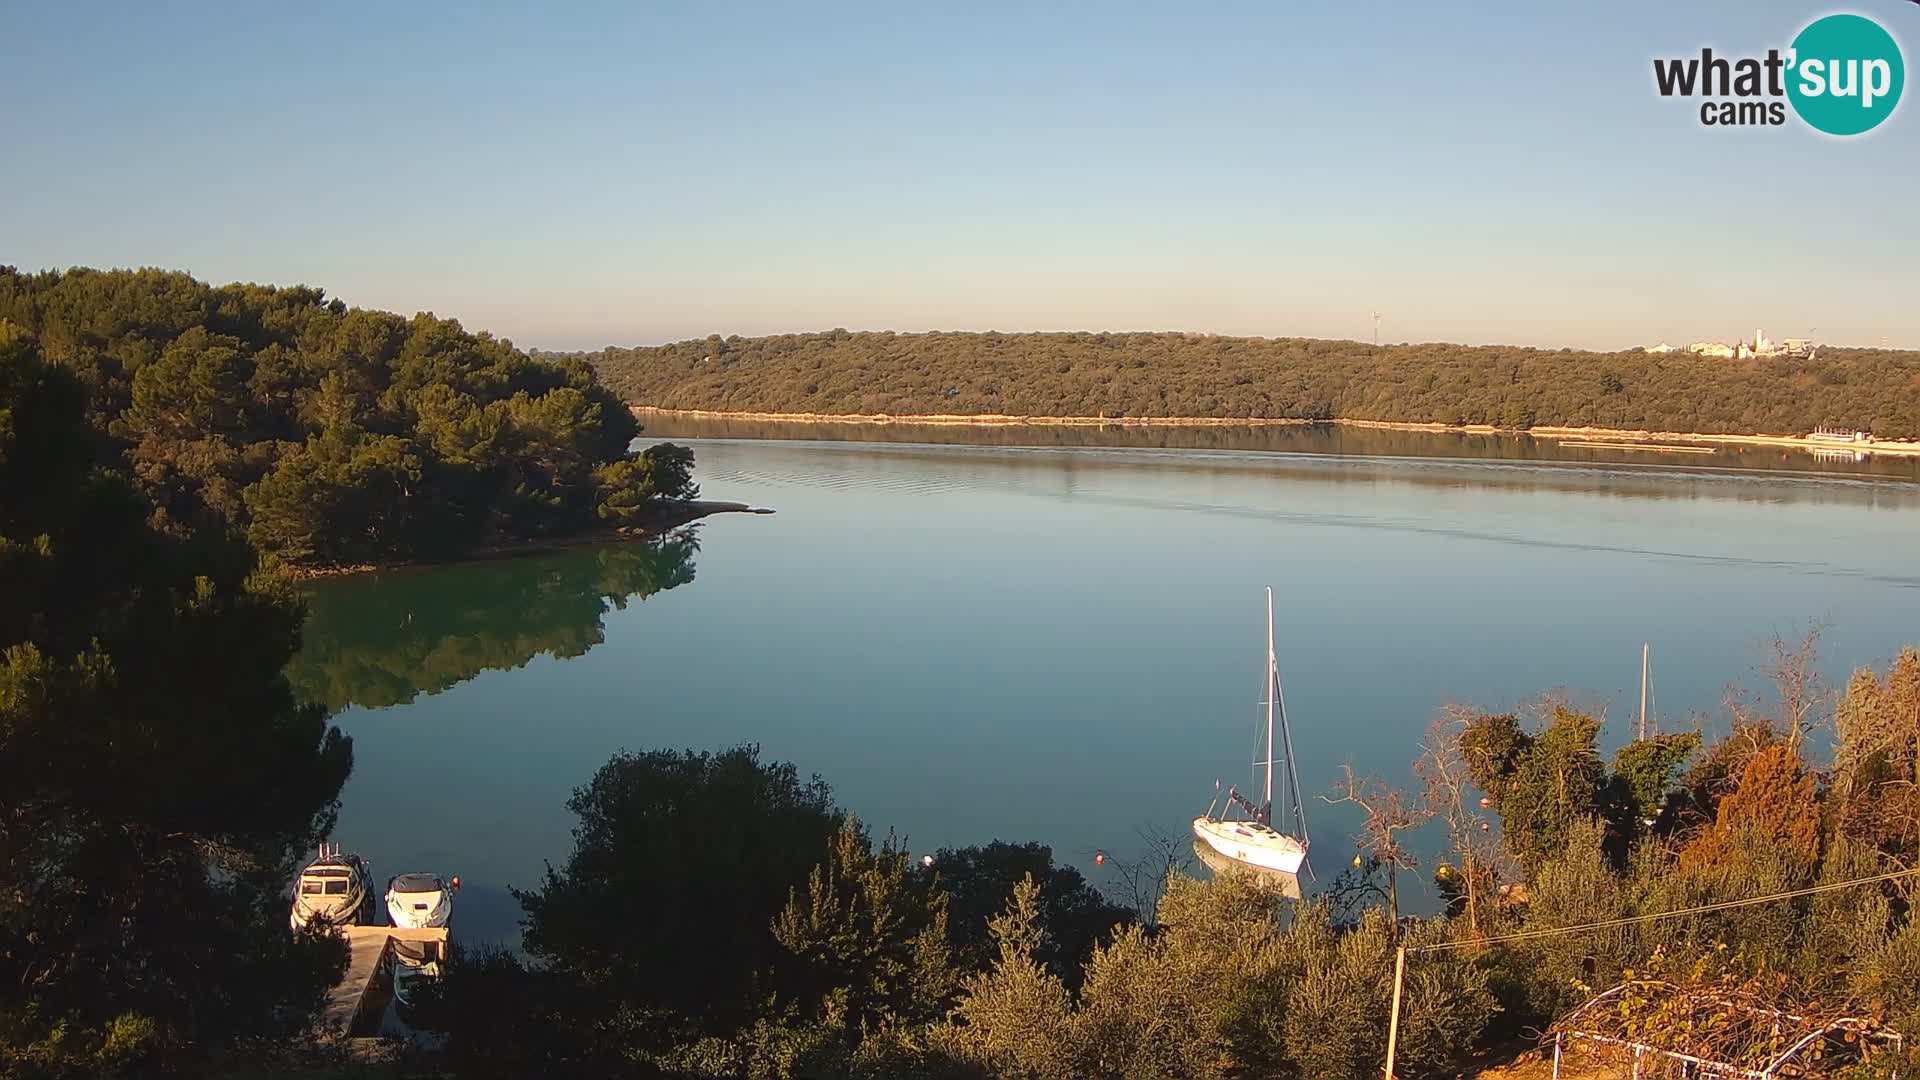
(1243, 830)
(418, 901)
(334, 888)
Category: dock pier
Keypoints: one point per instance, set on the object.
(357, 1004)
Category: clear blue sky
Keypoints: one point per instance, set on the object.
(631, 173)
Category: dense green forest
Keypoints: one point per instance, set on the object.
(1204, 375)
(158, 777)
(337, 435)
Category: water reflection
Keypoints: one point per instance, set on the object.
(1220, 865)
(944, 632)
(384, 639)
(1315, 439)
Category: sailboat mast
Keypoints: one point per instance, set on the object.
(1272, 680)
(1646, 649)
(1277, 699)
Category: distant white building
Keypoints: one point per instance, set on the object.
(1840, 435)
(1759, 345)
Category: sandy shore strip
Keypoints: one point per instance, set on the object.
(1568, 434)
(1650, 447)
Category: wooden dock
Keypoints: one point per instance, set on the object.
(358, 1002)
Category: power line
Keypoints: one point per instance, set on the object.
(1607, 924)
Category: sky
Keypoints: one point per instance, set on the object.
(626, 173)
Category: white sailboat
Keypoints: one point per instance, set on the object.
(1254, 841)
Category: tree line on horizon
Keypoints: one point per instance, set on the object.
(1122, 375)
(331, 435)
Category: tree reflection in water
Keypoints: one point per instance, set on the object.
(384, 639)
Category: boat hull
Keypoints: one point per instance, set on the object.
(1251, 844)
(419, 911)
(1287, 885)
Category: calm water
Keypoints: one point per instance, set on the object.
(1064, 644)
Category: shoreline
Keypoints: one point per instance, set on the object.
(1544, 431)
(679, 516)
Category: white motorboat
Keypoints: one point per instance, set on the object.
(418, 901)
(1253, 840)
(335, 888)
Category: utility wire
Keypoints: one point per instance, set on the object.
(1607, 924)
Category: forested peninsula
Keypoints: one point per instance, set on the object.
(334, 436)
(1157, 375)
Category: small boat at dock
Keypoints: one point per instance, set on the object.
(336, 888)
(418, 901)
(1253, 840)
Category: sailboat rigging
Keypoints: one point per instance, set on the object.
(1255, 841)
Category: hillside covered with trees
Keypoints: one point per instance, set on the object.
(1194, 375)
(334, 435)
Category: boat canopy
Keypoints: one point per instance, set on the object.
(417, 883)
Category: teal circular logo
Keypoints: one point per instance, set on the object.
(1846, 74)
